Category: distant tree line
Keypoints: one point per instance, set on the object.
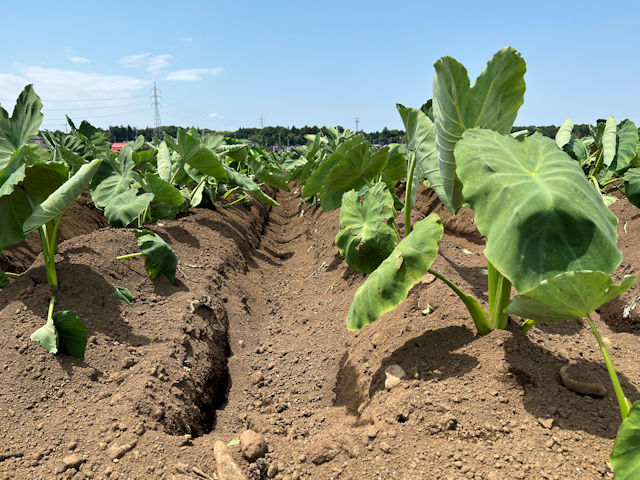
(284, 136)
(266, 137)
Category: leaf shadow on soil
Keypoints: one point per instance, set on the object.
(239, 237)
(181, 235)
(90, 296)
(536, 370)
(473, 276)
(430, 355)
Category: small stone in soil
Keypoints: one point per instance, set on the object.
(253, 445)
(394, 373)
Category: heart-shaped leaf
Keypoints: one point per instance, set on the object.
(492, 103)
(365, 238)
(126, 206)
(538, 212)
(390, 283)
(160, 259)
(568, 295)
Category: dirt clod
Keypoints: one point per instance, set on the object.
(253, 445)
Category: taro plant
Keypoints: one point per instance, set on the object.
(36, 189)
(160, 259)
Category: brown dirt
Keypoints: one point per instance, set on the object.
(277, 294)
(81, 218)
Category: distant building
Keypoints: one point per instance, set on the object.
(117, 146)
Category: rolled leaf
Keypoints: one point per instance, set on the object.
(160, 259)
(62, 199)
(609, 141)
(164, 162)
(538, 212)
(124, 294)
(492, 103)
(421, 134)
(390, 283)
(366, 238)
(568, 295)
(563, 135)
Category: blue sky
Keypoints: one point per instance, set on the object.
(224, 64)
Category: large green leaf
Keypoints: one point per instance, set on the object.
(114, 177)
(422, 137)
(267, 173)
(72, 333)
(62, 199)
(197, 155)
(625, 456)
(365, 238)
(632, 186)
(356, 145)
(15, 131)
(237, 179)
(24, 188)
(563, 135)
(626, 145)
(538, 212)
(492, 103)
(160, 259)
(352, 172)
(390, 283)
(72, 159)
(126, 206)
(164, 191)
(568, 295)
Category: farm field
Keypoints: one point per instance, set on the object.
(274, 343)
(460, 305)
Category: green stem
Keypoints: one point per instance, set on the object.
(407, 197)
(598, 164)
(47, 236)
(52, 302)
(527, 325)
(483, 326)
(623, 402)
(595, 182)
(12, 275)
(130, 255)
(612, 181)
(499, 296)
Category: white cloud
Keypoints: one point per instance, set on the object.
(215, 115)
(185, 39)
(79, 60)
(194, 74)
(54, 85)
(148, 61)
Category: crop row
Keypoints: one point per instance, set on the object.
(540, 204)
